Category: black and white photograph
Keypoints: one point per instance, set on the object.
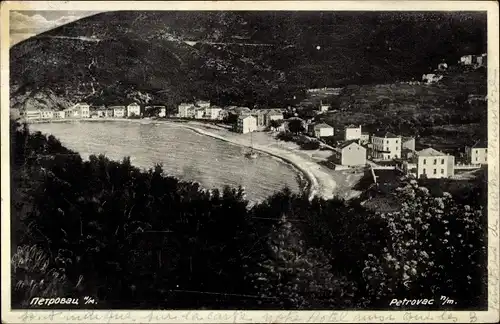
(246, 162)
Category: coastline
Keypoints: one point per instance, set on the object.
(319, 182)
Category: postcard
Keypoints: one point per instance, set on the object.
(250, 162)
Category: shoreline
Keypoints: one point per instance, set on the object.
(307, 170)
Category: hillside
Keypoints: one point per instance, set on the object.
(235, 57)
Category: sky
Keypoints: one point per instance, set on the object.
(25, 24)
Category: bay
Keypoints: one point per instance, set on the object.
(184, 154)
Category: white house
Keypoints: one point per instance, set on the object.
(352, 132)
(477, 153)
(162, 112)
(199, 113)
(350, 153)
(466, 60)
(323, 107)
(46, 114)
(119, 111)
(431, 78)
(273, 115)
(32, 114)
(213, 112)
(81, 110)
(246, 124)
(434, 164)
(133, 110)
(59, 114)
(321, 130)
(186, 110)
(386, 146)
(408, 143)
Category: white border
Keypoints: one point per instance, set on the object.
(98, 316)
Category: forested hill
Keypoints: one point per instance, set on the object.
(144, 55)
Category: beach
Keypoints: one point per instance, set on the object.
(321, 181)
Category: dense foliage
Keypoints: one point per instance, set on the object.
(140, 239)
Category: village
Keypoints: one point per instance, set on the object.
(350, 146)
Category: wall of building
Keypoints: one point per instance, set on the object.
(352, 133)
(353, 155)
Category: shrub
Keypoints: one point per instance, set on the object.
(34, 276)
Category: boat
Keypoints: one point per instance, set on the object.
(251, 154)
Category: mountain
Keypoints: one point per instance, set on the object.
(233, 57)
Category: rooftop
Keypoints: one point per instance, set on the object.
(347, 143)
(385, 135)
(322, 125)
(430, 152)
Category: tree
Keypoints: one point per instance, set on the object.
(296, 126)
(293, 276)
(275, 124)
(438, 248)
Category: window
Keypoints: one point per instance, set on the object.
(435, 171)
(396, 148)
(442, 161)
(435, 161)
(425, 161)
(442, 171)
(423, 171)
(476, 158)
(386, 149)
(387, 142)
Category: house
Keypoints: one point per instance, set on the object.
(83, 110)
(94, 114)
(119, 111)
(408, 143)
(466, 60)
(321, 130)
(47, 114)
(186, 110)
(246, 124)
(433, 164)
(431, 78)
(133, 110)
(481, 60)
(32, 114)
(365, 138)
(350, 153)
(199, 112)
(60, 114)
(163, 112)
(323, 108)
(109, 113)
(271, 115)
(101, 112)
(352, 132)
(202, 104)
(260, 116)
(477, 153)
(386, 146)
(213, 112)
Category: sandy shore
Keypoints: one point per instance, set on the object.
(321, 182)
